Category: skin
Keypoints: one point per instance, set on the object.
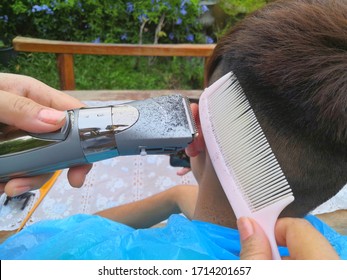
(304, 242)
(152, 210)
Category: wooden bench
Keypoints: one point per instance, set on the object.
(66, 50)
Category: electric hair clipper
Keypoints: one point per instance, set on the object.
(161, 125)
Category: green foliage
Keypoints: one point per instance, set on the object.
(40, 66)
(115, 72)
(236, 7)
(103, 20)
(138, 73)
(236, 11)
(117, 21)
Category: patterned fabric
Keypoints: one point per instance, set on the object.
(110, 183)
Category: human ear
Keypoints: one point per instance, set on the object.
(198, 145)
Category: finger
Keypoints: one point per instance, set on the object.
(22, 185)
(198, 144)
(28, 115)
(183, 171)
(303, 240)
(254, 243)
(37, 91)
(77, 175)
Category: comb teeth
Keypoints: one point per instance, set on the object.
(243, 146)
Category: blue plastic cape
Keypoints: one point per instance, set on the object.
(92, 237)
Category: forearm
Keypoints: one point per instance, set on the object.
(144, 213)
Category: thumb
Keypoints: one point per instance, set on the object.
(254, 243)
(28, 115)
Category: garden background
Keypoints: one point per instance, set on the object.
(119, 21)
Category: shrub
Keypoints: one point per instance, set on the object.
(237, 10)
(127, 21)
(118, 21)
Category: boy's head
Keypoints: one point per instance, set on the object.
(291, 60)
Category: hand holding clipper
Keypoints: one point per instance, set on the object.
(161, 125)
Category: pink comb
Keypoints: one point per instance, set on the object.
(249, 172)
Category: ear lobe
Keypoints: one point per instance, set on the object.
(195, 111)
(198, 145)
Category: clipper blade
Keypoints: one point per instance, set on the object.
(165, 126)
(191, 120)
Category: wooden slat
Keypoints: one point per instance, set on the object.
(104, 95)
(66, 71)
(52, 46)
(65, 51)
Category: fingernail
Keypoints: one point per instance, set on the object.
(51, 116)
(245, 228)
(21, 190)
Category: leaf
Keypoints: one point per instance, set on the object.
(162, 34)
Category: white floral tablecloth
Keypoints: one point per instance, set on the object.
(111, 182)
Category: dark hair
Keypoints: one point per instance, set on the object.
(291, 60)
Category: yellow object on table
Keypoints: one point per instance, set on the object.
(43, 192)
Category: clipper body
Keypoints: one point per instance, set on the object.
(161, 125)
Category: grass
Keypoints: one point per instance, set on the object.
(114, 72)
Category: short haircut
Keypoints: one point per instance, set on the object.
(290, 58)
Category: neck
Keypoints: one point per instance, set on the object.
(212, 205)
